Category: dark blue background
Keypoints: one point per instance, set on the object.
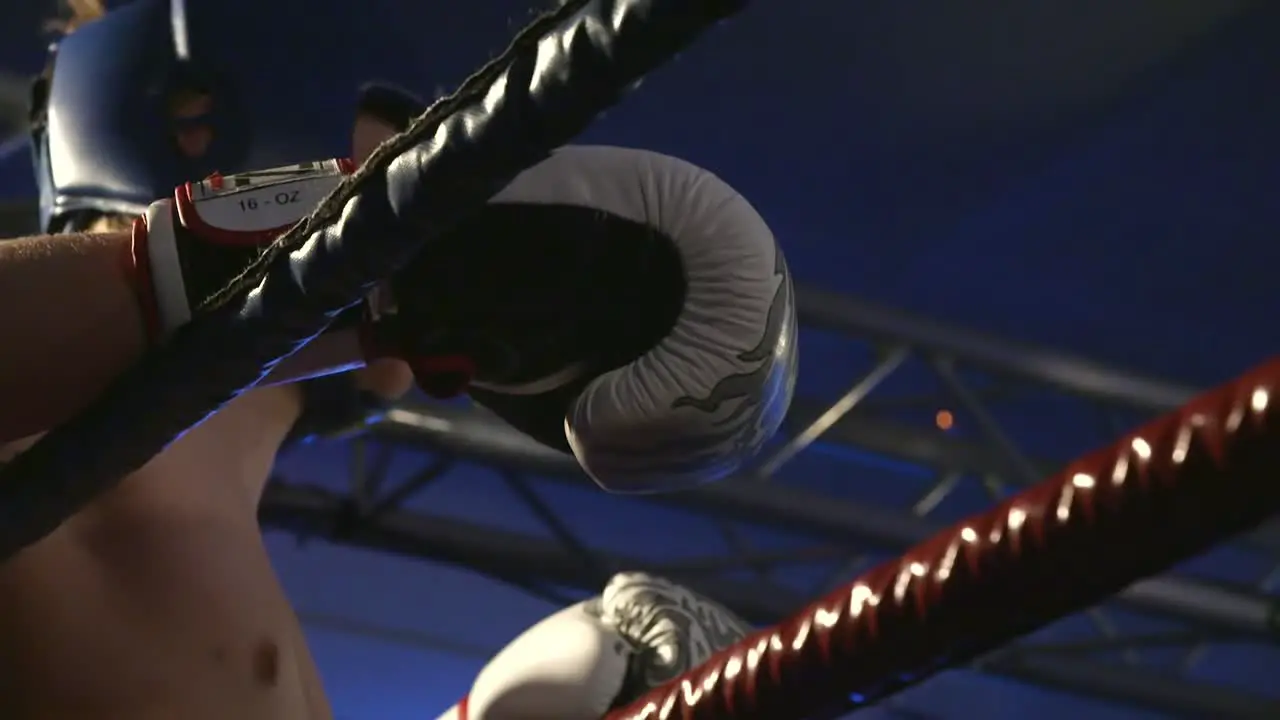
(1090, 176)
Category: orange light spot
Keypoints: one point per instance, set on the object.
(944, 419)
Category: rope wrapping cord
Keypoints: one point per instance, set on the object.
(1157, 496)
(558, 74)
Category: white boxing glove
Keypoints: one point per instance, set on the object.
(687, 373)
(569, 666)
(670, 629)
(579, 663)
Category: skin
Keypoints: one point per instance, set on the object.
(159, 600)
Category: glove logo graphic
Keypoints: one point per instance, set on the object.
(759, 415)
(672, 629)
(602, 653)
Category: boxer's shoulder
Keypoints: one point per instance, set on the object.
(221, 463)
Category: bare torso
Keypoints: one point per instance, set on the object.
(159, 601)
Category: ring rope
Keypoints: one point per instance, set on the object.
(1155, 497)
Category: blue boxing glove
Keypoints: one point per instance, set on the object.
(619, 304)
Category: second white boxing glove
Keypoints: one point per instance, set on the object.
(641, 632)
(670, 629)
(569, 666)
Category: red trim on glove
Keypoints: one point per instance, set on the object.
(439, 376)
(462, 707)
(139, 269)
(185, 202)
(443, 376)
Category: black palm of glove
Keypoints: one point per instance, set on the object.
(525, 303)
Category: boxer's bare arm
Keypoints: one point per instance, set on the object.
(70, 323)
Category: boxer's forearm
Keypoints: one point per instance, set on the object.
(70, 323)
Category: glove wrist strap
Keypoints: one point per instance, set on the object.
(187, 248)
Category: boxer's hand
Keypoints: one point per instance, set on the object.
(618, 304)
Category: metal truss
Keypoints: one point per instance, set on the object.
(540, 566)
(977, 379)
